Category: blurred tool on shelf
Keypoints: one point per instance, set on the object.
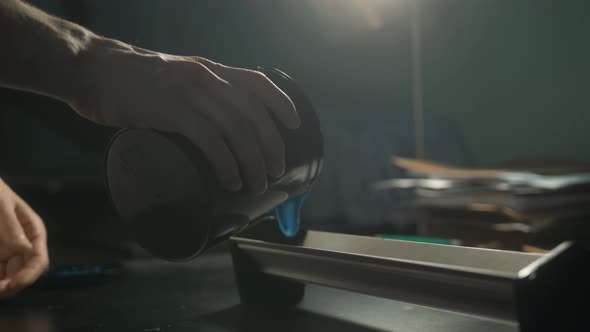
(506, 208)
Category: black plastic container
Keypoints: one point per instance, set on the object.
(162, 185)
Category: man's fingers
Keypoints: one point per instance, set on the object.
(239, 135)
(251, 163)
(278, 102)
(254, 95)
(28, 273)
(201, 132)
(269, 138)
(4, 291)
(31, 223)
(35, 230)
(247, 114)
(13, 265)
(13, 239)
(213, 97)
(23, 248)
(21, 271)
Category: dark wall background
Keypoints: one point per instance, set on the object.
(508, 78)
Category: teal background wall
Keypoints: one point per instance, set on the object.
(514, 75)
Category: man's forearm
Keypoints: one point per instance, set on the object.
(40, 53)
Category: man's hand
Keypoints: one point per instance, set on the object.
(23, 243)
(227, 112)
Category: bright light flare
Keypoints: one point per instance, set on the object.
(357, 15)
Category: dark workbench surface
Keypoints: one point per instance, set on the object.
(155, 296)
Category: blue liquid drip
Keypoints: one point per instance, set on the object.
(287, 214)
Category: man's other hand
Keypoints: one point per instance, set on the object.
(23, 243)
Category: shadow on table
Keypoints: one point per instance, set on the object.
(238, 318)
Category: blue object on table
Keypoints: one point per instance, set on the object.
(288, 213)
(78, 275)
